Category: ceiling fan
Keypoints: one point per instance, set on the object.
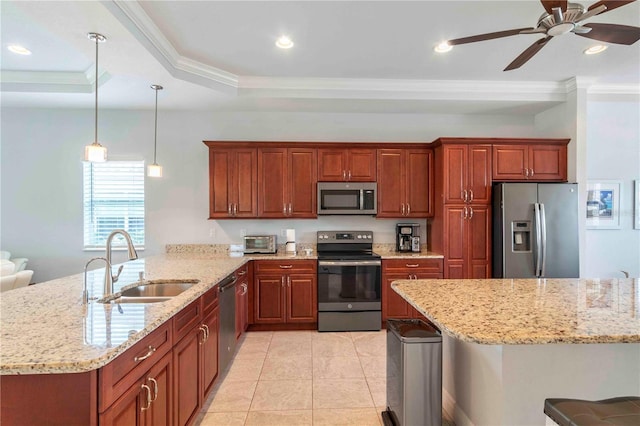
(562, 17)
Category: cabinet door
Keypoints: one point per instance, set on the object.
(418, 175)
(362, 165)
(210, 351)
(478, 237)
(332, 165)
(128, 409)
(302, 298)
(455, 171)
(509, 162)
(272, 182)
(479, 174)
(269, 299)
(390, 183)
(455, 244)
(187, 379)
(548, 163)
(159, 380)
(245, 183)
(302, 183)
(393, 305)
(220, 183)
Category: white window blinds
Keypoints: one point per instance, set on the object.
(113, 199)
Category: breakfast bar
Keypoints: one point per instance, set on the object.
(511, 343)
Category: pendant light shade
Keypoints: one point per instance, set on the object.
(155, 170)
(95, 152)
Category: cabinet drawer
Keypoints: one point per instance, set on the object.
(410, 264)
(285, 266)
(117, 376)
(210, 300)
(186, 319)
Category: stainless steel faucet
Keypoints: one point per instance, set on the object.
(109, 279)
(85, 292)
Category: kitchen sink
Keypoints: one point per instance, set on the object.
(153, 292)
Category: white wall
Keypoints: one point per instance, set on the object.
(41, 151)
(613, 153)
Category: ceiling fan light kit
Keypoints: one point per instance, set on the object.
(593, 50)
(443, 47)
(284, 42)
(562, 17)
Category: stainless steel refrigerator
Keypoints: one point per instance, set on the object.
(535, 230)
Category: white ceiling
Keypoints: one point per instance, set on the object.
(355, 56)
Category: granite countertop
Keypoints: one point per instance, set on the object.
(530, 311)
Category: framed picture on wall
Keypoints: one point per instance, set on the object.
(603, 204)
(636, 204)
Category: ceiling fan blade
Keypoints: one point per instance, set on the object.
(612, 33)
(528, 54)
(610, 4)
(488, 36)
(549, 5)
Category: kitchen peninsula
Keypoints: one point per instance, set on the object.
(511, 343)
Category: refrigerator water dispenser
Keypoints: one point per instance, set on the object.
(521, 232)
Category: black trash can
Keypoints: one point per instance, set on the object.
(414, 373)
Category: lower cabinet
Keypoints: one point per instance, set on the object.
(393, 305)
(285, 292)
(147, 402)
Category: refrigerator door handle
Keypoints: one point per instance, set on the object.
(543, 231)
(538, 251)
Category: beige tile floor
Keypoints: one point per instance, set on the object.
(301, 378)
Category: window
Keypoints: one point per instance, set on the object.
(113, 199)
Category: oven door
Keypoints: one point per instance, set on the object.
(348, 285)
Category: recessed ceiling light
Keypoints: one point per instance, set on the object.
(284, 42)
(443, 47)
(17, 49)
(595, 49)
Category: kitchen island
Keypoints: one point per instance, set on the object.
(511, 343)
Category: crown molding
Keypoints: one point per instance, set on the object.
(136, 20)
(51, 81)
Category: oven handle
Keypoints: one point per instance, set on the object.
(349, 263)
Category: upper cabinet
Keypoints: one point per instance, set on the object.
(342, 165)
(233, 183)
(530, 162)
(467, 173)
(405, 177)
(287, 183)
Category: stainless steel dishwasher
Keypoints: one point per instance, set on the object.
(227, 342)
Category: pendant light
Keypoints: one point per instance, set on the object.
(155, 170)
(95, 152)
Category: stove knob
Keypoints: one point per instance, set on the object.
(369, 236)
(359, 237)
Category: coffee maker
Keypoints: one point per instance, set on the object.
(408, 237)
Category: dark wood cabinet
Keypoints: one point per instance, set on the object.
(287, 180)
(467, 247)
(530, 162)
(195, 356)
(285, 292)
(467, 173)
(393, 305)
(233, 183)
(405, 178)
(352, 164)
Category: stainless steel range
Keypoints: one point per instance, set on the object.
(349, 282)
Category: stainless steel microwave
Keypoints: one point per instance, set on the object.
(347, 198)
(260, 244)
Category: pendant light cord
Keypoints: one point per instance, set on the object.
(155, 134)
(96, 83)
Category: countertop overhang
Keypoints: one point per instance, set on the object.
(529, 311)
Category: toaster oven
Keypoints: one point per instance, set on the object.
(260, 244)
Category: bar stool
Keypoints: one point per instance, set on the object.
(622, 411)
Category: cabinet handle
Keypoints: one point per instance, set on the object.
(230, 209)
(465, 195)
(526, 172)
(285, 266)
(245, 288)
(284, 209)
(154, 382)
(235, 209)
(471, 195)
(531, 172)
(349, 177)
(288, 281)
(290, 209)
(204, 335)
(412, 265)
(148, 389)
(150, 352)
(206, 331)
(471, 211)
(243, 272)
(282, 280)
(402, 205)
(408, 209)
(344, 175)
